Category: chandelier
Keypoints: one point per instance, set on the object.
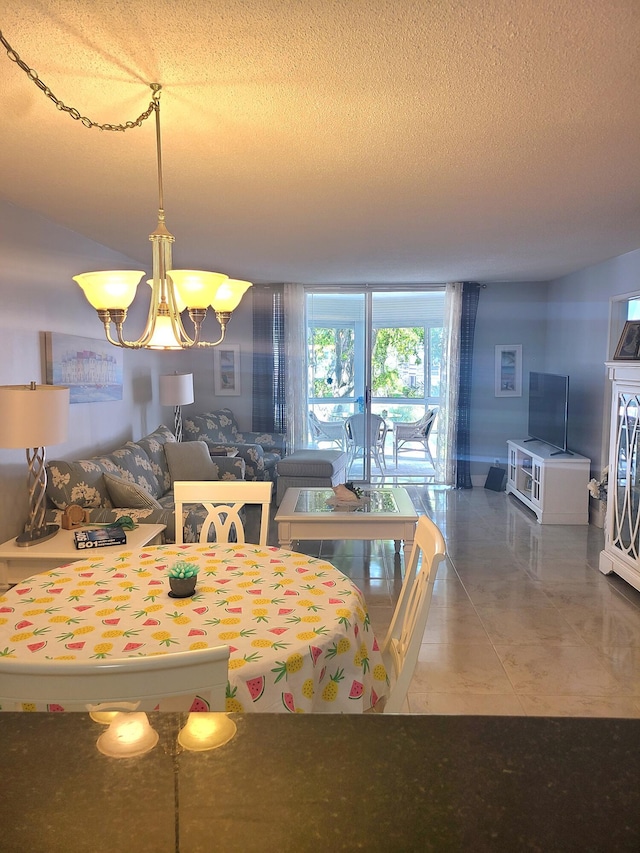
(172, 291)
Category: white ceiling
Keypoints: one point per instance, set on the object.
(335, 141)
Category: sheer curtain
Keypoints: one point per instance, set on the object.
(449, 386)
(295, 366)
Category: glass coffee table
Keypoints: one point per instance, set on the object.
(383, 513)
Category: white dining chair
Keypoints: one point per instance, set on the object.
(223, 500)
(135, 683)
(417, 432)
(402, 644)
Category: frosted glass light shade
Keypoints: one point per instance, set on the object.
(196, 288)
(163, 336)
(229, 294)
(206, 730)
(128, 735)
(111, 288)
(33, 415)
(180, 305)
(176, 389)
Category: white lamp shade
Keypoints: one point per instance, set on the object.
(33, 415)
(229, 294)
(176, 389)
(110, 288)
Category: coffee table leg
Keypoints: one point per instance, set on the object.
(284, 535)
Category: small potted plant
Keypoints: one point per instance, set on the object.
(182, 579)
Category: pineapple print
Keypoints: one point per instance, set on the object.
(237, 663)
(164, 638)
(284, 669)
(308, 689)
(379, 672)
(27, 635)
(64, 620)
(361, 658)
(234, 635)
(268, 644)
(179, 618)
(343, 614)
(330, 692)
(101, 650)
(341, 647)
(260, 614)
(311, 635)
(231, 703)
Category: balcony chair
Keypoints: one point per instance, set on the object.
(417, 432)
(224, 502)
(332, 431)
(355, 432)
(132, 684)
(402, 644)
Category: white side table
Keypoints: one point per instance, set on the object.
(17, 563)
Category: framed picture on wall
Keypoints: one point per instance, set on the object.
(628, 348)
(92, 369)
(226, 370)
(508, 370)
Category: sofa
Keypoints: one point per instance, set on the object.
(137, 480)
(261, 451)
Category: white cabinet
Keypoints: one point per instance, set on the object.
(621, 552)
(552, 484)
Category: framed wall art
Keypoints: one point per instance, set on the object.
(91, 369)
(628, 348)
(226, 370)
(508, 368)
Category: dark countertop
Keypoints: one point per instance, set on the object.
(323, 782)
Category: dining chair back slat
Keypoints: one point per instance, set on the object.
(402, 644)
(223, 501)
(135, 683)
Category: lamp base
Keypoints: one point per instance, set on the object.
(34, 537)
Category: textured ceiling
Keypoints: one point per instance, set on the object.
(335, 140)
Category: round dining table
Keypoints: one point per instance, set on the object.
(298, 629)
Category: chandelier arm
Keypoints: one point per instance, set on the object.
(223, 318)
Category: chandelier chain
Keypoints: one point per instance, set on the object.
(32, 74)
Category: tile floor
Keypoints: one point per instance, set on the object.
(522, 621)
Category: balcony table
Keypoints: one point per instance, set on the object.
(298, 629)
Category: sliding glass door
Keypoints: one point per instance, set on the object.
(373, 359)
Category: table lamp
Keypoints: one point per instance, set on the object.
(176, 389)
(34, 416)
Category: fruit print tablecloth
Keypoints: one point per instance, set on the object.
(298, 629)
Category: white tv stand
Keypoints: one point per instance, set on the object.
(553, 485)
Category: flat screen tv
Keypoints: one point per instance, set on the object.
(549, 409)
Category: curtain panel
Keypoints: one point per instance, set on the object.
(269, 402)
(470, 299)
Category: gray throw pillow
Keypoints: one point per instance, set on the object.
(190, 460)
(129, 495)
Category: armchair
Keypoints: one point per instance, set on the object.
(417, 432)
(260, 451)
(332, 431)
(355, 432)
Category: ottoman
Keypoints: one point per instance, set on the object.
(310, 468)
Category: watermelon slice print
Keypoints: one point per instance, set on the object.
(24, 623)
(315, 653)
(254, 591)
(285, 611)
(55, 591)
(23, 590)
(131, 647)
(151, 622)
(90, 575)
(35, 647)
(357, 690)
(300, 570)
(196, 632)
(375, 647)
(278, 631)
(111, 621)
(336, 601)
(200, 610)
(291, 592)
(233, 609)
(154, 583)
(6, 609)
(255, 686)
(328, 583)
(199, 704)
(75, 647)
(55, 707)
(82, 607)
(287, 701)
(374, 697)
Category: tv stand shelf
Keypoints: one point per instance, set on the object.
(552, 484)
